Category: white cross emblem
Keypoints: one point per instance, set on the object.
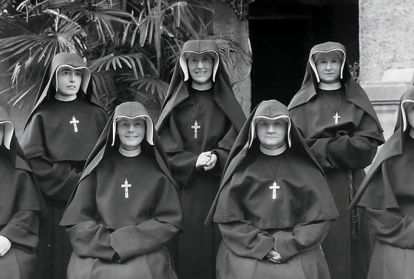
(195, 126)
(274, 187)
(126, 186)
(336, 117)
(75, 123)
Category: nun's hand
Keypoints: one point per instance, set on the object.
(5, 245)
(203, 159)
(212, 162)
(274, 257)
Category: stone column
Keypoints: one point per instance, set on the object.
(386, 54)
(227, 25)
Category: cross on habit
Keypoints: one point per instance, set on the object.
(274, 187)
(75, 123)
(336, 117)
(195, 127)
(126, 186)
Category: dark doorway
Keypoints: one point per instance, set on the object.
(283, 31)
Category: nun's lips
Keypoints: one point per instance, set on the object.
(273, 136)
(201, 71)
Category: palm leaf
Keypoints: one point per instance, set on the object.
(188, 16)
(150, 85)
(9, 25)
(236, 61)
(148, 90)
(104, 90)
(103, 20)
(138, 62)
(161, 18)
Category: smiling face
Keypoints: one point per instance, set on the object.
(329, 66)
(131, 132)
(68, 81)
(200, 67)
(271, 133)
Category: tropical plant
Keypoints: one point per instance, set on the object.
(131, 51)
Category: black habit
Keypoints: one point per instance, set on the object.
(387, 194)
(56, 141)
(343, 133)
(192, 122)
(124, 210)
(272, 202)
(19, 207)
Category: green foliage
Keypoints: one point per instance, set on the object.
(131, 51)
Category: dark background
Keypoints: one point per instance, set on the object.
(282, 33)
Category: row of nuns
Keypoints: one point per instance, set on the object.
(204, 192)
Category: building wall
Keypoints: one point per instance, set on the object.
(386, 37)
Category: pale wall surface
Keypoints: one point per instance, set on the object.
(386, 36)
(386, 33)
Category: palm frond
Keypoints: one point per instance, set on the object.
(153, 86)
(148, 90)
(149, 85)
(236, 61)
(9, 25)
(138, 47)
(189, 17)
(160, 19)
(103, 19)
(137, 63)
(36, 48)
(104, 90)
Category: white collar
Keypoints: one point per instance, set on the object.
(63, 98)
(330, 86)
(202, 87)
(130, 153)
(273, 152)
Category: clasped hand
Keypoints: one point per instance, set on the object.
(5, 245)
(274, 257)
(206, 160)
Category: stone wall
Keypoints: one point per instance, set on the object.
(386, 36)
(386, 43)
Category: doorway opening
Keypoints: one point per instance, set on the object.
(282, 33)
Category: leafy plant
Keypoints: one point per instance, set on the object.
(131, 51)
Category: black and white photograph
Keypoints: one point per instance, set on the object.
(206, 139)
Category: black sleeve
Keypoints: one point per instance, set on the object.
(23, 229)
(147, 236)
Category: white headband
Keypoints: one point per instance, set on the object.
(8, 133)
(149, 133)
(253, 127)
(313, 66)
(85, 77)
(404, 117)
(184, 65)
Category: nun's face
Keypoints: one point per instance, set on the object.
(328, 66)
(200, 67)
(131, 132)
(271, 133)
(409, 110)
(68, 81)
